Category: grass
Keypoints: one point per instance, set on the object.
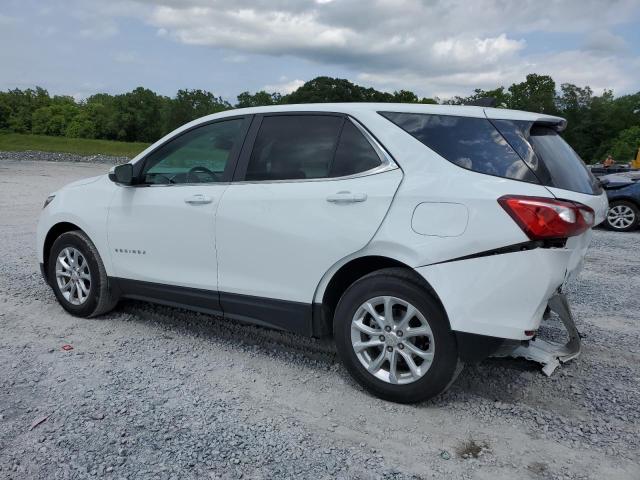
(15, 142)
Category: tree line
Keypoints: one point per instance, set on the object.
(597, 124)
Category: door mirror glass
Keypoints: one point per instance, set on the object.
(122, 174)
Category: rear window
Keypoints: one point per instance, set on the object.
(471, 143)
(553, 161)
(566, 168)
(505, 148)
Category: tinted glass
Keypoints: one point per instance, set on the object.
(198, 156)
(294, 147)
(471, 143)
(517, 134)
(566, 168)
(354, 154)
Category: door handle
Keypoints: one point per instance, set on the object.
(198, 199)
(347, 197)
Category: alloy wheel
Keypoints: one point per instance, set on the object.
(392, 340)
(621, 216)
(73, 275)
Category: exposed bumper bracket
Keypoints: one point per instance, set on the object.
(549, 354)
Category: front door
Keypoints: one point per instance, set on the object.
(162, 230)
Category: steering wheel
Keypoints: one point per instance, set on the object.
(191, 178)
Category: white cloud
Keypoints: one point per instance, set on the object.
(284, 86)
(444, 45)
(434, 47)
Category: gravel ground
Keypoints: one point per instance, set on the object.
(61, 157)
(156, 392)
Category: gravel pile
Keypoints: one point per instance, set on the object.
(61, 157)
(155, 392)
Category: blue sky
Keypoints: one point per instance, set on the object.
(435, 48)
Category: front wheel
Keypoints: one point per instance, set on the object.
(78, 277)
(394, 339)
(622, 216)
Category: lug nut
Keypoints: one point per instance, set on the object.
(387, 328)
(401, 347)
(381, 338)
(389, 349)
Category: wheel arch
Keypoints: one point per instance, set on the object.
(54, 232)
(327, 298)
(629, 199)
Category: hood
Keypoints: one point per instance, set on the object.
(84, 181)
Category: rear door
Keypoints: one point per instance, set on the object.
(309, 190)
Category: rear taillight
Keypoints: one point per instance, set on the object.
(544, 218)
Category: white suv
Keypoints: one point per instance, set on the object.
(419, 236)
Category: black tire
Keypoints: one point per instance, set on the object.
(628, 207)
(100, 299)
(403, 284)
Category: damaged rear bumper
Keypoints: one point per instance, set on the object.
(546, 352)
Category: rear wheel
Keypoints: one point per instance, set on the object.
(78, 277)
(394, 339)
(622, 216)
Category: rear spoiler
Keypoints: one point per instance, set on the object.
(539, 119)
(558, 125)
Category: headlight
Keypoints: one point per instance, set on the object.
(48, 200)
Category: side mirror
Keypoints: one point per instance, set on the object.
(122, 174)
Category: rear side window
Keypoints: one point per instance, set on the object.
(290, 147)
(294, 147)
(354, 154)
(471, 143)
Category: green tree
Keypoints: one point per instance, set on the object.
(191, 104)
(54, 119)
(327, 89)
(405, 96)
(500, 96)
(536, 94)
(625, 146)
(141, 115)
(18, 107)
(258, 99)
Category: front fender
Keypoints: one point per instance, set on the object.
(85, 206)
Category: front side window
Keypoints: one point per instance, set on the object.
(200, 155)
(295, 147)
(471, 143)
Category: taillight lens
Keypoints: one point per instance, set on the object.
(545, 218)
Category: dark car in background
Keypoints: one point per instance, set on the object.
(623, 191)
(600, 170)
